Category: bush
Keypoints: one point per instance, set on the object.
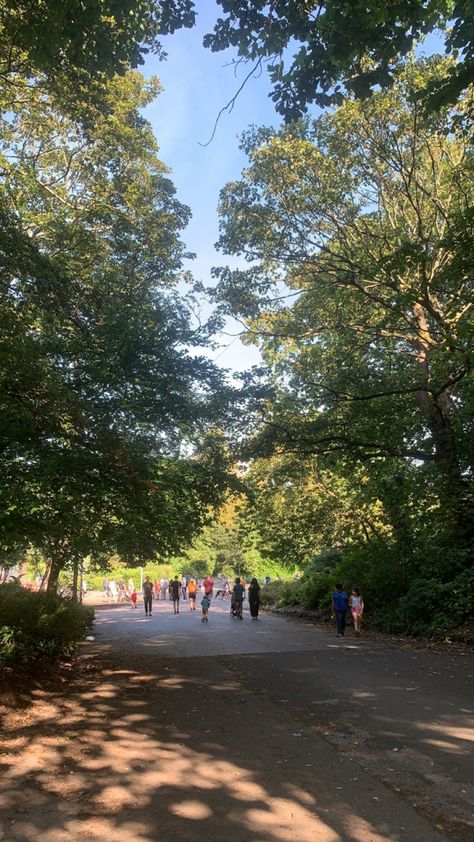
(281, 593)
(39, 625)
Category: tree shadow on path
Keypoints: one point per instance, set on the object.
(140, 748)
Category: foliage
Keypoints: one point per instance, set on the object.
(354, 290)
(74, 48)
(106, 419)
(317, 52)
(39, 625)
(357, 229)
(280, 593)
(230, 545)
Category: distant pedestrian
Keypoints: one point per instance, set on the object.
(133, 598)
(192, 591)
(163, 587)
(175, 588)
(208, 587)
(356, 604)
(205, 603)
(238, 595)
(339, 608)
(148, 595)
(156, 589)
(184, 587)
(254, 598)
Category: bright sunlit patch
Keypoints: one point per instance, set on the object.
(191, 810)
(455, 733)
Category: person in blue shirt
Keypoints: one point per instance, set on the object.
(339, 609)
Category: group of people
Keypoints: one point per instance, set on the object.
(182, 588)
(341, 601)
(117, 590)
(176, 592)
(177, 589)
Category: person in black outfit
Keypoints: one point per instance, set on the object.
(254, 598)
(147, 595)
(175, 588)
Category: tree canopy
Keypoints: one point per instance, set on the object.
(72, 48)
(104, 411)
(358, 229)
(317, 52)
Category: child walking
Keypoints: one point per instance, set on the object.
(356, 604)
(133, 598)
(205, 609)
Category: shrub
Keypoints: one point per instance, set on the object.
(37, 625)
(281, 593)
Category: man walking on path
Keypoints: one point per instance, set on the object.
(147, 595)
(175, 588)
(208, 587)
(339, 608)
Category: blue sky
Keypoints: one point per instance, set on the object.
(196, 85)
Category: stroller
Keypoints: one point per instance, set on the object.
(236, 608)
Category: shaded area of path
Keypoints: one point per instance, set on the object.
(269, 731)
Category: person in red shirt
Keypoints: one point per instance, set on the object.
(208, 587)
(133, 598)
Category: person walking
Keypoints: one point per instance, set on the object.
(238, 594)
(148, 595)
(184, 587)
(254, 598)
(205, 603)
(175, 589)
(133, 598)
(192, 591)
(339, 609)
(208, 587)
(356, 604)
(163, 587)
(156, 589)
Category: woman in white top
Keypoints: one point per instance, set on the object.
(356, 604)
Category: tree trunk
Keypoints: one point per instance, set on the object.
(55, 567)
(437, 409)
(75, 577)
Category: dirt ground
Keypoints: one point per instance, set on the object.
(167, 728)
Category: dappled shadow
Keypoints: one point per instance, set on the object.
(143, 749)
(404, 716)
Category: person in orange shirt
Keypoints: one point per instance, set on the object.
(192, 591)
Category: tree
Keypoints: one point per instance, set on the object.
(317, 51)
(105, 416)
(358, 229)
(72, 49)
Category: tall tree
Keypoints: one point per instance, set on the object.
(104, 411)
(315, 52)
(359, 231)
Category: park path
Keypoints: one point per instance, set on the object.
(170, 729)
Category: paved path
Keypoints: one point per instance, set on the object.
(271, 730)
